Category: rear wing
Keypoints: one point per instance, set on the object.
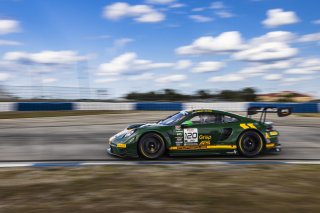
(280, 111)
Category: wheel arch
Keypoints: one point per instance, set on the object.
(254, 130)
(165, 139)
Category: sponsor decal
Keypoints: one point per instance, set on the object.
(205, 140)
(178, 127)
(248, 126)
(190, 136)
(180, 134)
(199, 147)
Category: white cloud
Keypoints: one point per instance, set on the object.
(4, 76)
(140, 13)
(177, 5)
(278, 17)
(160, 1)
(225, 42)
(200, 18)
(207, 66)
(107, 80)
(272, 46)
(288, 81)
(129, 62)
(252, 71)
(120, 43)
(9, 43)
(217, 5)
(303, 71)
(171, 78)
(227, 78)
(9, 26)
(183, 64)
(141, 77)
(310, 37)
(275, 36)
(273, 77)
(305, 66)
(270, 51)
(48, 80)
(316, 21)
(224, 14)
(198, 9)
(278, 65)
(45, 57)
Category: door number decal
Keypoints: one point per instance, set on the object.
(190, 136)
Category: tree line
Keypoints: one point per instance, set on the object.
(246, 94)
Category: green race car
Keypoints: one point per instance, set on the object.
(199, 132)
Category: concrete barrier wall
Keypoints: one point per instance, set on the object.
(7, 106)
(103, 106)
(173, 106)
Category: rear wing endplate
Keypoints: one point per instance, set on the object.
(280, 111)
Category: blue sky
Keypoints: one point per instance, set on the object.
(271, 45)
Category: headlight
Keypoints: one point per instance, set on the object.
(130, 132)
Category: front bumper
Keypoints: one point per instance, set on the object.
(273, 147)
(122, 147)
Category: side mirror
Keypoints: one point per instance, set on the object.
(186, 124)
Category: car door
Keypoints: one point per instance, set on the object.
(204, 131)
(228, 129)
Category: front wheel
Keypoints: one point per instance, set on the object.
(250, 144)
(151, 146)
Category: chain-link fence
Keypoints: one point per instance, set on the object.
(53, 93)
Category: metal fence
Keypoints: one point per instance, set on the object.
(53, 92)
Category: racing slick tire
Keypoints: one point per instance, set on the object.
(151, 146)
(250, 144)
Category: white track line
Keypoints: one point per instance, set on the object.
(167, 163)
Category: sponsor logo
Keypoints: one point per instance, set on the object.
(205, 137)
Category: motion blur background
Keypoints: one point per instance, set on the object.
(73, 73)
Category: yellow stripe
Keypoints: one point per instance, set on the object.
(270, 145)
(251, 125)
(203, 147)
(273, 133)
(121, 145)
(222, 147)
(267, 136)
(244, 126)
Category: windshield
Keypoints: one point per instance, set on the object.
(173, 119)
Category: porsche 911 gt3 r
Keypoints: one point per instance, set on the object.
(199, 132)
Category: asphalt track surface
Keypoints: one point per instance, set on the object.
(85, 138)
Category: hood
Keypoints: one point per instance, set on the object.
(146, 125)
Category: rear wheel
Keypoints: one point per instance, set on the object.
(250, 144)
(151, 146)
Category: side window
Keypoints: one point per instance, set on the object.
(206, 118)
(229, 119)
(196, 120)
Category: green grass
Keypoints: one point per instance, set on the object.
(216, 188)
(15, 114)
